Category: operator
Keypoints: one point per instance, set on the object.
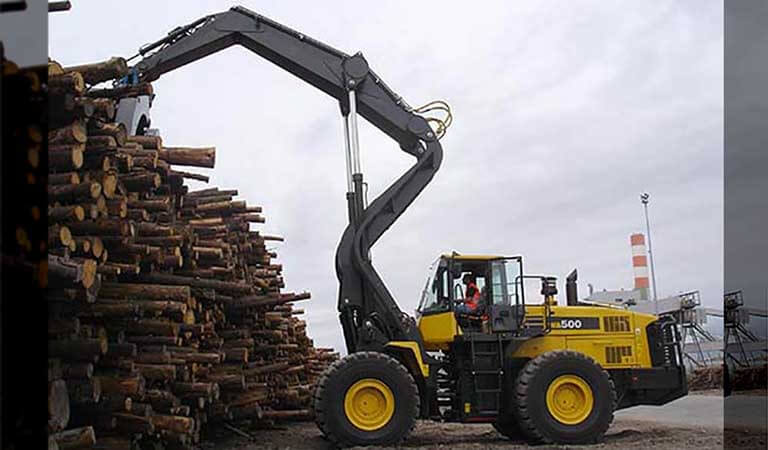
(471, 297)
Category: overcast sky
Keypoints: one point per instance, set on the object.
(564, 112)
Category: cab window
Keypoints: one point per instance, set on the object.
(506, 286)
(436, 295)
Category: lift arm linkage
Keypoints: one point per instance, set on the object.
(369, 315)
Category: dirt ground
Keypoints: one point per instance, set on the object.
(636, 430)
(430, 435)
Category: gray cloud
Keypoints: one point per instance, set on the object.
(564, 113)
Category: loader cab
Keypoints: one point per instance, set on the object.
(501, 302)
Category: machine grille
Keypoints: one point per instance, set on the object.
(616, 324)
(614, 355)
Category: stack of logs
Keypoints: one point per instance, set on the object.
(165, 312)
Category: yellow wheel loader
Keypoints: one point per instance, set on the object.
(519, 361)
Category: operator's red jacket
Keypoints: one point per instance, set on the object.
(473, 296)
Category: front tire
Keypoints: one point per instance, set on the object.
(564, 397)
(366, 398)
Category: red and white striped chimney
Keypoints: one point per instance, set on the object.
(640, 261)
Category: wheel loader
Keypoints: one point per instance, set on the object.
(529, 366)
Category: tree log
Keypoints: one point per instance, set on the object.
(75, 438)
(124, 350)
(70, 273)
(189, 156)
(117, 207)
(84, 391)
(77, 350)
(74, 192)
(66, 83)
(137, 291)
(75, 133)
(115, 130)
(102, 71)
(175, 424)
(104, 108)
(140, 182)
(147, 142)
(66, 213)
(154, 340)
(58, 405)
(59, 235)
(152, 205)
(68, 326)
(114, 443)
(54, 68)
(63, 178)
(226, 286)
(129, 386)
(66, 157)
(157, 372)
(130, 423)
(102, 227)
(77, 370)
(161, 400)
(191, 176)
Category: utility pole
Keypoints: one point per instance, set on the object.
(644, 197)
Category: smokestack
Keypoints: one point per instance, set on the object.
(640, 264)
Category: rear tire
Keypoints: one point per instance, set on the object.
(564, 397)
(366, 398)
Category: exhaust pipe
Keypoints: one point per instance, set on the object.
(571, 291)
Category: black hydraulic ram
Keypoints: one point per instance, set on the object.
(369, 315)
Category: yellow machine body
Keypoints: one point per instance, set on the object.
(614, 337)
(619, 342)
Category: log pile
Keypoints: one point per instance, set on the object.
(751, 378)
(166, 316)
(742, 378)
(705, 378)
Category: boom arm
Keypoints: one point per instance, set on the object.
(369, 315)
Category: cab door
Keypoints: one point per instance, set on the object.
(506, 300)
(437, 322)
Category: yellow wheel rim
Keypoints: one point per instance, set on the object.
(369, 404)
(569, 399)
